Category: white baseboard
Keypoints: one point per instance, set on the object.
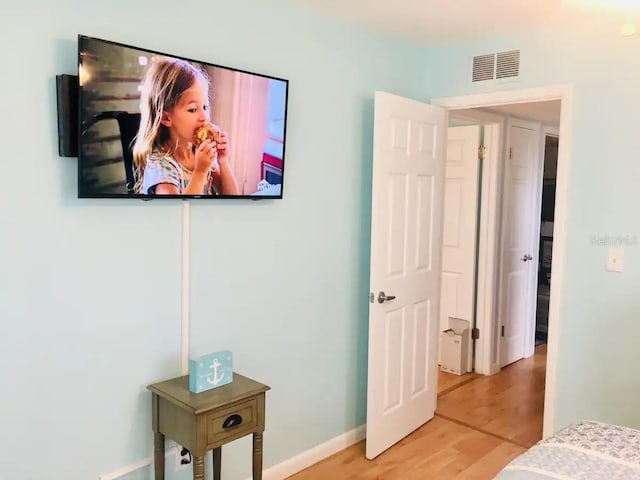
(277, 472)
(121, 472)
(314, 455)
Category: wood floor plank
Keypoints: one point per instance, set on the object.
(509, 404)
(449, 381)
(440, 449)
(481, 424)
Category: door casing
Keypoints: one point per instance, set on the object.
(486, 281)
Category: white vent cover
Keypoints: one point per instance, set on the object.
(495, 66)
(484, 67)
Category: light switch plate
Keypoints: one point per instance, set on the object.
(615, 259)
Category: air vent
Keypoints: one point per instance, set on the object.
(495, 66)
(508, 64)
(484, 67)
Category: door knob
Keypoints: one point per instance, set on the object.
(526, 257)
(382, 297)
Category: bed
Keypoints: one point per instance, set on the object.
(585, 450)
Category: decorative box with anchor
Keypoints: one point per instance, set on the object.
(210, 371)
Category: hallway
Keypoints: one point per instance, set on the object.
(508, 405)
(481, 424)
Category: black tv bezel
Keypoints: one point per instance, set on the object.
(82, 37)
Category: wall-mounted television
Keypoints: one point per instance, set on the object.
(153, 125)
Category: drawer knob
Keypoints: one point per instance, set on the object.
(232, 421)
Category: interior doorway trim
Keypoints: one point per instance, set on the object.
(564, 93)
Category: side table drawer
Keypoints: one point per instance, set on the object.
(233, 421)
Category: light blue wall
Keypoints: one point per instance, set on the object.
(90, 289)
(599, 358)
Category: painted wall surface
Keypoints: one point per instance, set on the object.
(599, 360)
(90, 289)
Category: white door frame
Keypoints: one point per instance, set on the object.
(564, 93)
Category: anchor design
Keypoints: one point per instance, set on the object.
(216, 379)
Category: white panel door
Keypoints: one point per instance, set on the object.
(460, 224)
(519, 224)
(406, 244)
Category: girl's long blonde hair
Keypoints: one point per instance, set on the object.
(164, 83)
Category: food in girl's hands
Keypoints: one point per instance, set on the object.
(208, 130)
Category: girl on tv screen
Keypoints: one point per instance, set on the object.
(177, 150)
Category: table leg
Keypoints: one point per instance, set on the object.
(158, 455)
(257, 456)
(217, 462)
(198, 467)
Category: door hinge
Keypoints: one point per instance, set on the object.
(502, 331)
(481, 151)
(475, 334)
(510, 153)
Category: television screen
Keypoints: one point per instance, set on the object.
(159, 126)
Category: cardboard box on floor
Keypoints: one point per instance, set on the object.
(454, 346)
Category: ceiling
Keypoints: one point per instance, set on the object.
(547, 113)
(435, 22)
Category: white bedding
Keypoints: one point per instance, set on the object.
(583, 451)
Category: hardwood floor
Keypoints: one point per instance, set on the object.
(509, 404)
(440, 449)
(449, 381)
(481, 424)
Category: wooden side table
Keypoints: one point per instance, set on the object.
(206, 421)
